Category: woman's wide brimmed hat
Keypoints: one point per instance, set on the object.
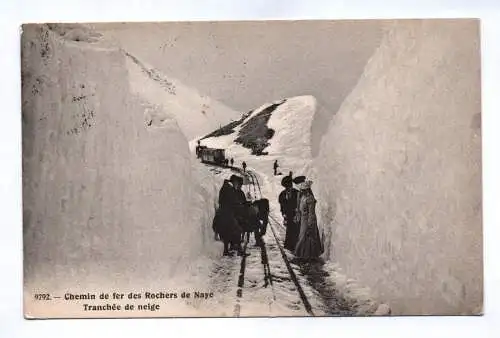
(299, 179)
(286, 181)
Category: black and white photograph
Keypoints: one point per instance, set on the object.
(273, 168)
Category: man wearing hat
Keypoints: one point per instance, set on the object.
(230, 211)
(299, 179)
(288, 204)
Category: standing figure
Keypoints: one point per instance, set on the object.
(288, 206)
(226, 221)
(232, 161)
(244, 165)
(297, 181)
(275, 167)
(241, 211)
(198, 147)
(309, 245)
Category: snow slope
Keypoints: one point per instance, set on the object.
(291, 142)
(400, 175)
(106, 177)
(196, 114)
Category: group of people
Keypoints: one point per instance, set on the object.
(236, 216)
(298, 207)
(228, 161)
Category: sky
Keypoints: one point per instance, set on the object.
(247, 64)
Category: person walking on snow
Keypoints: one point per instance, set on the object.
(275, 166)
(244, 165)
(232, 161)
(198, 147)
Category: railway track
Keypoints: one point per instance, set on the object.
(315, 277)
(256, 192)
(307, 305)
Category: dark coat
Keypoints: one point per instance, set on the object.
(288, 205)
(288, 202)
(226, 195)
(231, 218)
(241, 210)
(227, 220)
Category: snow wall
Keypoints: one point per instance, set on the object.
(106, 176)
(398, 174)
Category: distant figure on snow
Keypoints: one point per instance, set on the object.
(288, 206)
(309, 245)
(198, 149)
(275, 166)
(232, 161)
(244, 165)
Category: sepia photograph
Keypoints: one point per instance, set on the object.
(273, 168)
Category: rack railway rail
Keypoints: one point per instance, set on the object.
(307, 305)
(255, 190)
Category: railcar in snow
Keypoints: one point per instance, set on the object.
(212, 155)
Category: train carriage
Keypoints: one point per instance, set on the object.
(214, 156)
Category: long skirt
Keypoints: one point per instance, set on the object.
(292, 234)
(309, 245)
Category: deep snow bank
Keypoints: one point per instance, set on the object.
(399, 176)
(291, 122)
(110, 190)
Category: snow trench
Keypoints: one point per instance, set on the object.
(399, 172)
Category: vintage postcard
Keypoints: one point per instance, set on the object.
(252, 168)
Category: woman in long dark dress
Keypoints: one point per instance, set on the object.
(309, 245)
(288, 205)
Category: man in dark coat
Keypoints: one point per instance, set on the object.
(227, 219)
(239, 202)
(288, 204)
